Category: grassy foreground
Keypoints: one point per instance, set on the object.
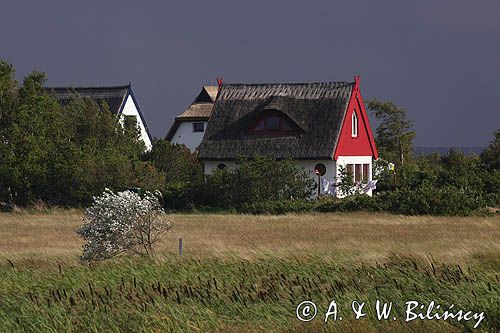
(237, 295)
(248, 273)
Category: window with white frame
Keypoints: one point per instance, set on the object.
(354, 124)
(359, 172)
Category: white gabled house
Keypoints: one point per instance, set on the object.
(321, 125)
(120, 100)
(189, 127)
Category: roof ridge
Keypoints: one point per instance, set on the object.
(89, 87)
(288, 83)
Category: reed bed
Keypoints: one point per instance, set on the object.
(188, 295)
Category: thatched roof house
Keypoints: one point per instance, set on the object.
(189, 126)
(120, 100)
(323, 125)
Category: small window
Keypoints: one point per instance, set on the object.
(198, 127)
(366, 172)
(221, 166)
(272, 123)
(357, 173)
(350, 169)
(320, 169)
(354, 124)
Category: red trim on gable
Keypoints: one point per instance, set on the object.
(363, 144)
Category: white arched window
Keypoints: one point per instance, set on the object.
(354, 124)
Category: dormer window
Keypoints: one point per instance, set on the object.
(354, 124)
(198, 127)
(273, 122)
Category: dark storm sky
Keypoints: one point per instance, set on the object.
(438, 59)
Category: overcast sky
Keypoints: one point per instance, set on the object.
(440, 60)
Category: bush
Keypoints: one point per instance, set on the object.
(122, 222)
(425, 200)
(178, 196)
(429, 200)
(260, 179)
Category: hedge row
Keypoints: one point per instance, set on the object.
(424, 201)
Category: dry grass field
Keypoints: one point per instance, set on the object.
(350, 236)
(245, 273)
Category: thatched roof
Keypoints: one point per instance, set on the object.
(211, 91)
(114, 96)
(318, 110)
(199, 110)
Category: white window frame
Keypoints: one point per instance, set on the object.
(354, 127)
(362, 173)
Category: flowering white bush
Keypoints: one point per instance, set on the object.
(122, 222)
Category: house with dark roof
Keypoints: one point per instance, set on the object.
(189, 126)
(321, 125)
(120, 100)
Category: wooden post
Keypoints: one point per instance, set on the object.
(180, 247)
(319, 182)
(319, 185)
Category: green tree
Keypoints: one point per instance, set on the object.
(346, 185)
(8, 107)
(490, 157)
(178, 163)
(394, 134)
(37, 130)
(64, 155)
(182, 172)
(490, 167)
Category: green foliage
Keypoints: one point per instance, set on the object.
(64, 155)
(182, 171)
(430, 200)
(176, 161)
(212, 295)
(490, 157)
(394, 134)
(346, 186)
(255, 180)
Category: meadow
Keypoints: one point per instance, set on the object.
(245, 273)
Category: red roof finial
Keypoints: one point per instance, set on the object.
(219, 82)
(356, 82)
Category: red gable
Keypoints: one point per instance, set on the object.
(363, 144)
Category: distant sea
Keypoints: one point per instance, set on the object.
(443, 150)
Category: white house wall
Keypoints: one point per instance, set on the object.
(130, 109)
(344, 160)
(186, 136)
(307, 165)
(332, 167)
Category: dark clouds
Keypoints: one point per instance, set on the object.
(438, 59)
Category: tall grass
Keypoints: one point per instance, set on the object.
(184, 295)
